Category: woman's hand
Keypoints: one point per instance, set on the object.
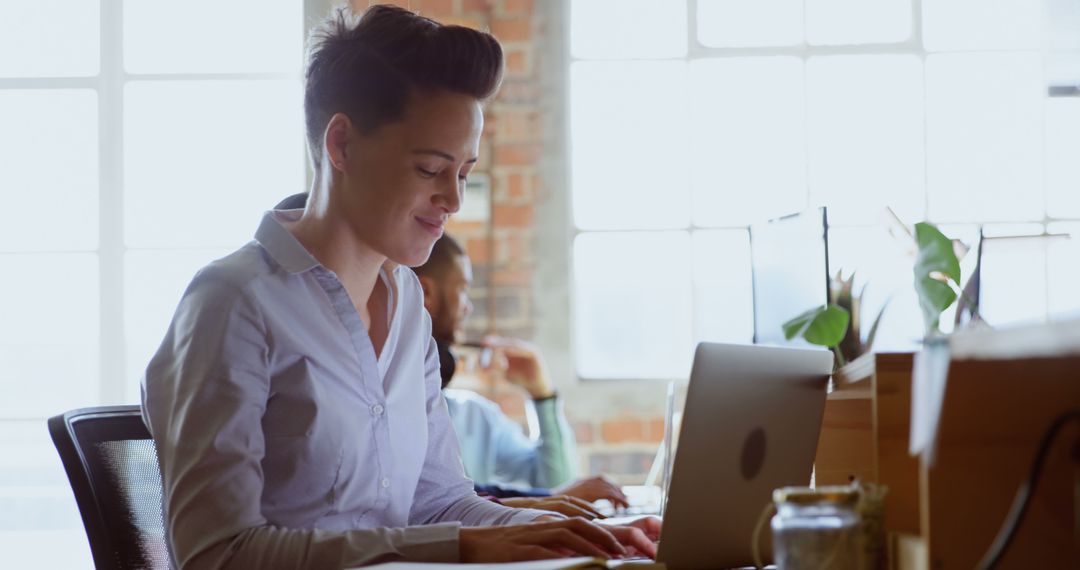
(594, 489)
(563, 504)
(555, 539)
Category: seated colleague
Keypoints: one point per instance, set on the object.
(494, 449)
(295, 401)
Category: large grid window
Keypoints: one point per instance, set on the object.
(691, 120)
(139, 140)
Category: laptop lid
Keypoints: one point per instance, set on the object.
(750, 425)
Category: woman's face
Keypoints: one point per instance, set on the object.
(402, 181)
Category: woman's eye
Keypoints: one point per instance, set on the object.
(426, 173)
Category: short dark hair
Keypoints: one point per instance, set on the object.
(369, 65)
(443, 253)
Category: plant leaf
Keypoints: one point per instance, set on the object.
(936, 259)
(823, 326)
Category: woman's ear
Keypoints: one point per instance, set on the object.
(337, 137)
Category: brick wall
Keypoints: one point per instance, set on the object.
(504, 247)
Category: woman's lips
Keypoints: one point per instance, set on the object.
(434, 226)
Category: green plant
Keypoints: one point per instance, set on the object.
(824, 326)
(837, 325)
(937, 274)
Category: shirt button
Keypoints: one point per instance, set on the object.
(377, 409)
(385, 482)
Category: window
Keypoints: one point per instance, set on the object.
(691, 120)
(133, 155)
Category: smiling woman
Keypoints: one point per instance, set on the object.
(295, 401)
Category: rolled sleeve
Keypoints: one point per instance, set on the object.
(443, 492)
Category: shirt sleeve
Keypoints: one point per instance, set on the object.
(204, 395)
(556, 450)
(443, 492)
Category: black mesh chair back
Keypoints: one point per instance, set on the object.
(112, 465)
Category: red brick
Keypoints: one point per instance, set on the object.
(505, 216)
(515, 154)
(473, 22)
(435, 9)
(476, 5)
(479, 250)
(518, 61)
(583, 432)
(517, 186)
(512, 30)
(626, 430)
(655, 430)
(514, 7)
(517, 126)
(512, 277)
(360, 5)
(464, 229)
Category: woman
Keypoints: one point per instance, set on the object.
(295, 399)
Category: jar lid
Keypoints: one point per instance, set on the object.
(837, 494)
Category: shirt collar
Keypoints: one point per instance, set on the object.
(281, 244)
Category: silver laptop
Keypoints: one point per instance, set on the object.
(750, 425)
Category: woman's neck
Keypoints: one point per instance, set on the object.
(334, 243)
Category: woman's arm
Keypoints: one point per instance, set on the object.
(204, 397)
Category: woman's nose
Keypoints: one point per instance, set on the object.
(450, 195)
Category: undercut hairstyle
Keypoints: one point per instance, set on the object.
(368, 65)
(443, 254)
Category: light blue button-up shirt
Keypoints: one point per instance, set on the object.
(284, 442)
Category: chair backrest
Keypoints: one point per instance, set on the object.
(112, 465)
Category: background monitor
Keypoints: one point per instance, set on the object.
(790, 261)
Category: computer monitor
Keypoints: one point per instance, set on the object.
(790, 262)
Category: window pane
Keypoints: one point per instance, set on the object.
(629, 138)
(49, 341)
(984, 137)
(58, 38)
(153, 284)
(738, 23)
(1062, 20)
(1062, 152)
(204, 159)
(748, 142)
(1013, 281)
(632, 299)
(627, 29)
(58, 207)
(723, 287)
(839, 22)
(37, 509)
(209, 36)
(865, 127)
(1063, 271)
(958, 25)
(882, 267)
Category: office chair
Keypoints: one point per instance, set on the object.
(112, 465)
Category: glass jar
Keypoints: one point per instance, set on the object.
(817, 529)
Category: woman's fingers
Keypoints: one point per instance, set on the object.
(558, 538)
(649, 525)
(635, 539)
(599, 535)
(586, 506)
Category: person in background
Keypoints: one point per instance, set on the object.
(494, 448)
(295, 401)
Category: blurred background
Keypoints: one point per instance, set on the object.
(632, 145)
